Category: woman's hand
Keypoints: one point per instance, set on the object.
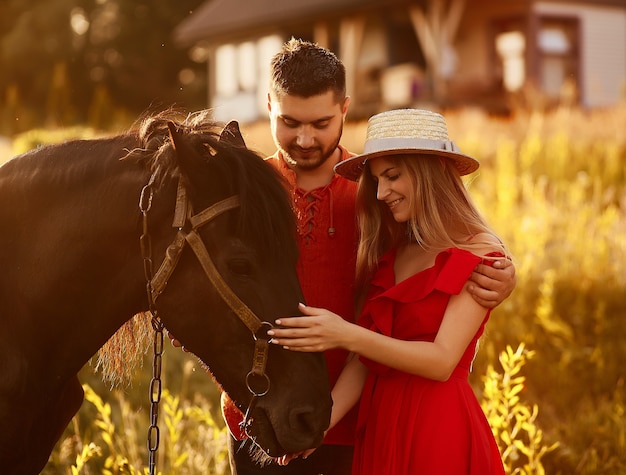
(319, 330)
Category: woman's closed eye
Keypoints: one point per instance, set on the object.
(388, 177)
(391, 173)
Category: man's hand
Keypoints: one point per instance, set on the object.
(490, 286)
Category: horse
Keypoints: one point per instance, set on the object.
(175, 217)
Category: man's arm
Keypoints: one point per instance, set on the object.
(490, 286)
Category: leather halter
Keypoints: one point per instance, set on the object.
(257, 381)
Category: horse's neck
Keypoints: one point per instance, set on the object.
(70, 244)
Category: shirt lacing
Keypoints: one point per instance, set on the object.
(308, 213)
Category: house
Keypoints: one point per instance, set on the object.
(400, 53)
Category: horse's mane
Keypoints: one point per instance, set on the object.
(265, 211)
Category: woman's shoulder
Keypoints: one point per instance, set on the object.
(484, 244)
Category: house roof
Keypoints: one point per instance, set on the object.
(221, 18)
(227, 19)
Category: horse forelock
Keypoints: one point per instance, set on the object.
(154, 145)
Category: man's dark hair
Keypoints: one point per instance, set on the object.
(306, 69)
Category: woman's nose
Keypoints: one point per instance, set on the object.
(381, 191)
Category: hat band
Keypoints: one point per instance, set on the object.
(400, 143)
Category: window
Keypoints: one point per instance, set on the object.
(511, 47)
(558, 55)
(237, 66)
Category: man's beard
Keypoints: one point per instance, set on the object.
(315, 161)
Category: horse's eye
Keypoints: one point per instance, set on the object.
(240, 266)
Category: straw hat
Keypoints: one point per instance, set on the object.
(406, 131)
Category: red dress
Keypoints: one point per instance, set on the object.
(409, 424)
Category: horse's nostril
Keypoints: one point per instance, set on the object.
(302, 419)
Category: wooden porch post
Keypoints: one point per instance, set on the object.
(211, 74)
(436, 28)
(351, 32)
(321, 36)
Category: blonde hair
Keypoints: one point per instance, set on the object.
(442, 214)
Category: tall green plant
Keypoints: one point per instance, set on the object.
(555, 191)
(111, 439)
(513, 422)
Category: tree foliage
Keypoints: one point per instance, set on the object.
(70, 61)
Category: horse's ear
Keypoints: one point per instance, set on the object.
(179, 143)
(187, 157)
(232, 135)
(175, 136)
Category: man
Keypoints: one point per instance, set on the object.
(307, 106)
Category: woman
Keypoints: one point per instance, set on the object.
(421, 236)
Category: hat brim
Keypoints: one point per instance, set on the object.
(352, 168)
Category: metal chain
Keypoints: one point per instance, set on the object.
(155, 396)
(145, 203)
